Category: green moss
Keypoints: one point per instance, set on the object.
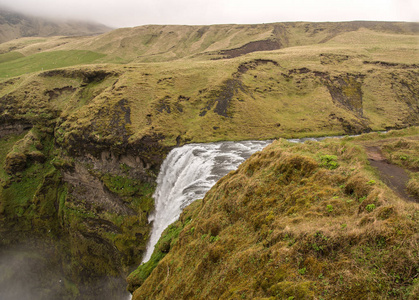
(62, 195)
(169, 237)
(137, 193)
(122, 185)
(6, 145)
(329, 161)
(30, 196)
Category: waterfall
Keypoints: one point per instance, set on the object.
(187, 173)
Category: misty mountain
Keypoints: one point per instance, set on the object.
(16, 25)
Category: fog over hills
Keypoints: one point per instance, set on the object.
(15, 25)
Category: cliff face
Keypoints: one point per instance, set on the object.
(85, 200)
(91, 209)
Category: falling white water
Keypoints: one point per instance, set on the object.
(188, 173)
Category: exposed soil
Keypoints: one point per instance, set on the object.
(16, 129)
(393, 176)
(223, 97)
(392, 65)
(265, 45)
(55, 93)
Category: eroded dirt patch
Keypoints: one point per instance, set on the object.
(265, 45)
(393, 176)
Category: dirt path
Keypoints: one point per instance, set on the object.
(394, 176)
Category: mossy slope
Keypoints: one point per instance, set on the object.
(89, 213)
(306, 221)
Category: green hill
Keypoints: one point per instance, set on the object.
(155, 43)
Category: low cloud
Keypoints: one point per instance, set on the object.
(127, 13)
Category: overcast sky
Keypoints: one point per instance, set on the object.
(128, 13)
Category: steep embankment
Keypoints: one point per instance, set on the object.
(305, 221)
(81, 146)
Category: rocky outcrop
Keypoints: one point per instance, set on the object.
(220, 100)
(346, 90)
(264, 45)
(15, 129)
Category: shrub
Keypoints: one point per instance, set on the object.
(329, 161)
(370, 207)
(329, 208)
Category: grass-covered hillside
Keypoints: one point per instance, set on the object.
(296, 221)
(362, 77)
(85, 122)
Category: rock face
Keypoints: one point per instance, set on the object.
(15, 162)
(89, 210)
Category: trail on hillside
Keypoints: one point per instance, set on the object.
(392, 175)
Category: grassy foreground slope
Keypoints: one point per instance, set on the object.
(295, 221)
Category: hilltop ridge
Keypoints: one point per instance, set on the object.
(159, 43)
